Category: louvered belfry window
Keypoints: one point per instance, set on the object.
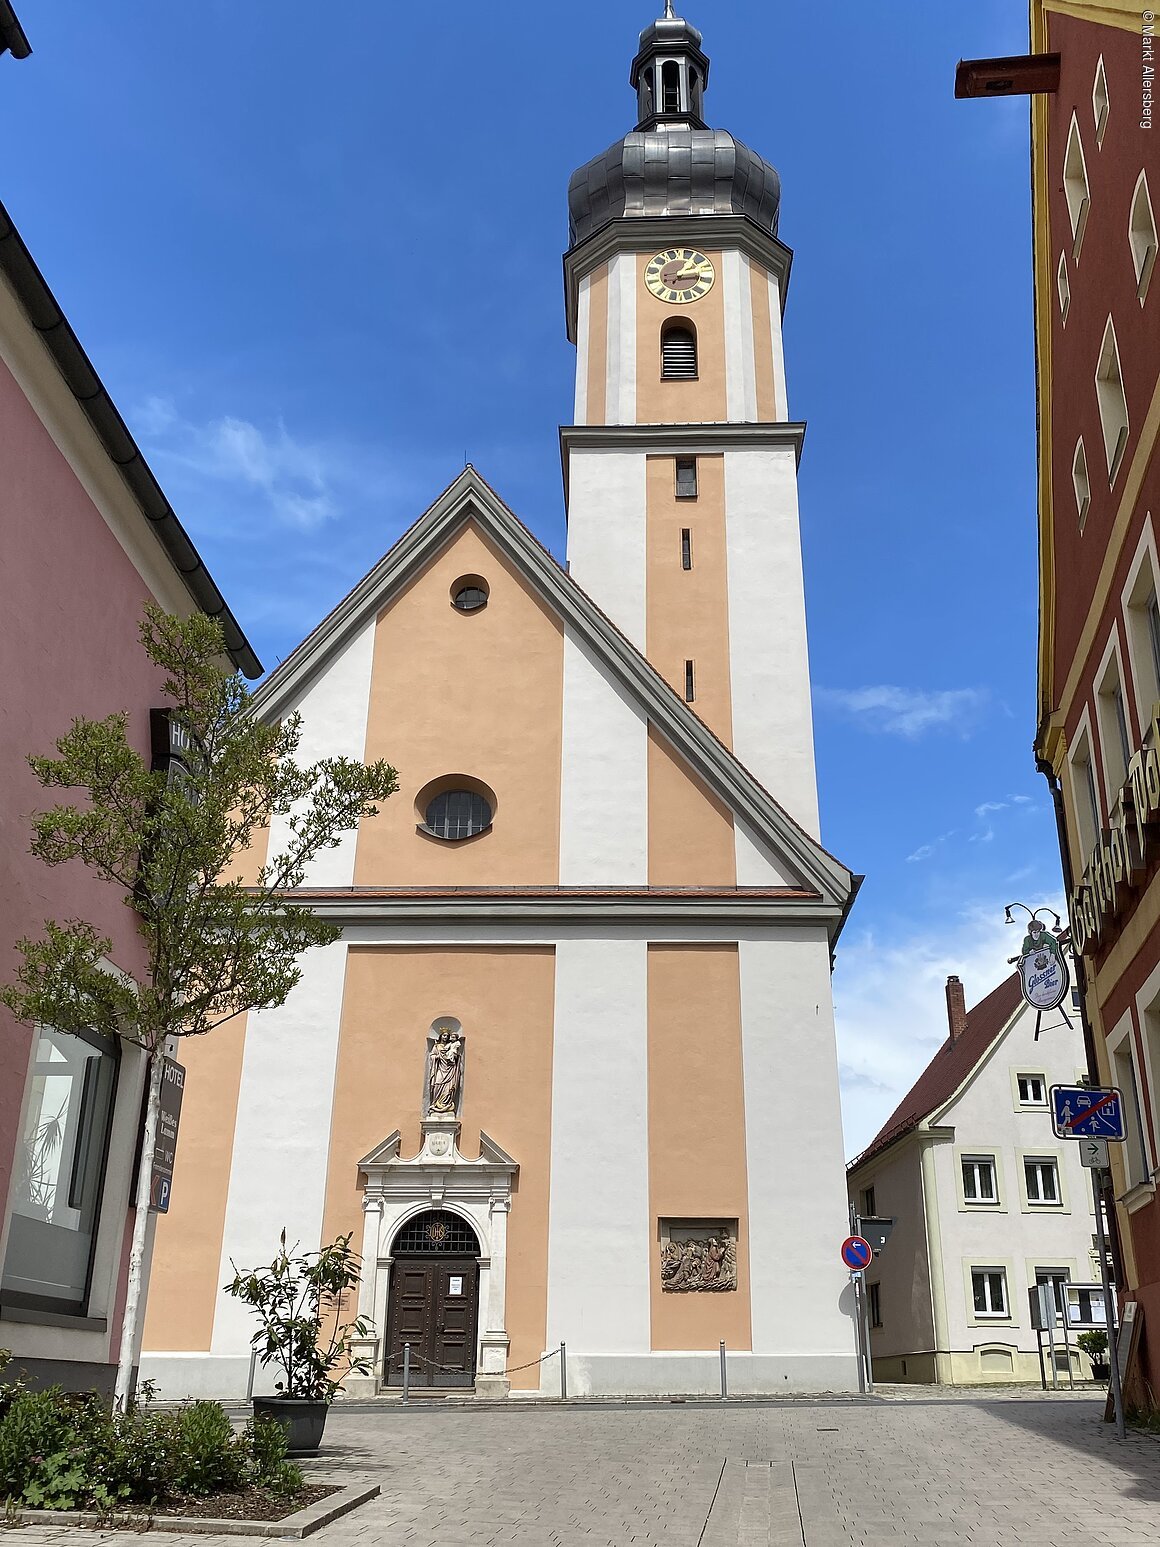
(458, 814)
(678, 353)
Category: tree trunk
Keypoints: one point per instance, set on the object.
(133, 1305)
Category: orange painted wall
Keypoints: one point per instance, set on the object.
(504, 997)
(598, 345)
(687, 610)
(680, 402)
(767, 407)
(472, 693)
(183, 1280)
(690, 832)
(696, 1130)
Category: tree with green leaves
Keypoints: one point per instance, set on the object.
(170, 841)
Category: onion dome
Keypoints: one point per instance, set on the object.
(672, 163)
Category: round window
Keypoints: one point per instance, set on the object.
(456, 814)
(469, 593)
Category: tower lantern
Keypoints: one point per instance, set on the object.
(669, 74)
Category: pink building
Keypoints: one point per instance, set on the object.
(88, 538)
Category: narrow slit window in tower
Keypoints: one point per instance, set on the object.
(686, 548)
(689, 693)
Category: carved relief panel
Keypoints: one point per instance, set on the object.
(698, 1255)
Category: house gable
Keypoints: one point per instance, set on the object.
(420, 566)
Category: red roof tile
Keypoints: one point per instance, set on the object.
(949, 1067)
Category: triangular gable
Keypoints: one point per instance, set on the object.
(470, 498)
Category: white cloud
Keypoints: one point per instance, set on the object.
(908, 712)
(988, 806)
(294, 479)
(890, 1004)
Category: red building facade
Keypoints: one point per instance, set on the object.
(1096, 186)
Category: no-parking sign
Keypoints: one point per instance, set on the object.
(857, 1253)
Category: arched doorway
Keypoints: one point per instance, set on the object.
(434, 1301)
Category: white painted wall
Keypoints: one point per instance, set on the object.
(603, 777)
(599, 1238)
(768, 656)
(740, 366)
(606, 534)
(334, 724)
(282, 1135)
(583, 325)
(793, 1143)
(620, 391)
(756, 864)
(987, 1120)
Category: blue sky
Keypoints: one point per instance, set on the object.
(315, 255)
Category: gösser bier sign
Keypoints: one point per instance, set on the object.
(1121, 852)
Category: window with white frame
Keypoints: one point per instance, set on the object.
(979, 1184)
(1084, 798)
(1041, 1176)
(1100, 101)
(1080, 482)
(1075, 185)
(1032, 1090)
(1113, 730)
(1124, 1076)
(1113, 404)
(1142, 236)
(1062, 286)
(1143, 619)
(1150, 1027)
(989, 1291)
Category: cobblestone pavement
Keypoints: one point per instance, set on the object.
(1004, 1473)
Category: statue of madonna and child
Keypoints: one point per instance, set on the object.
(445, 1072)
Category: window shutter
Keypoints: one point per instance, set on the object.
(678, 355)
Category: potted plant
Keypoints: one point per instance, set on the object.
(295, 1298)
(1095, 1346)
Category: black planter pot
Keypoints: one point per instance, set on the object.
(303, 1421)
(1101, 1371)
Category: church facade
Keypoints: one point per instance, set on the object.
(569, 1075)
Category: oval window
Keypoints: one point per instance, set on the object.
(456, 814)
(469, 593)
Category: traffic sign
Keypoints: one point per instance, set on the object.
(856, 1252)
(1093, 1153)
(1085, 1112)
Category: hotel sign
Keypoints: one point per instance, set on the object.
(1116, 863)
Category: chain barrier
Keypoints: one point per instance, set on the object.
(457, 1369)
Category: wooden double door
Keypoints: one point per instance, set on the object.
(434, 1307)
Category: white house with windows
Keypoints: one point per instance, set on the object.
(987, 1201)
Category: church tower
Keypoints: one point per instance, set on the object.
(568, 1075)
(681, 466)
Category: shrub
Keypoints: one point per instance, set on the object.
(209, 1459)
(61, 1452)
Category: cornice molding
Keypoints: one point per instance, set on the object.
(677, 439)
(649, 233)
(578, 908)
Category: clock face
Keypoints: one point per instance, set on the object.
(679, 274)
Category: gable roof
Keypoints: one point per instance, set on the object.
(471, 498)
(947, 1070)
(12, 38)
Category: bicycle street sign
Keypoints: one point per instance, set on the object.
(1084, 1112)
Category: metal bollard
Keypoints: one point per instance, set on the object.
(406, 1372)
(250, 1378)
(724, 1375)
(563, 1372)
